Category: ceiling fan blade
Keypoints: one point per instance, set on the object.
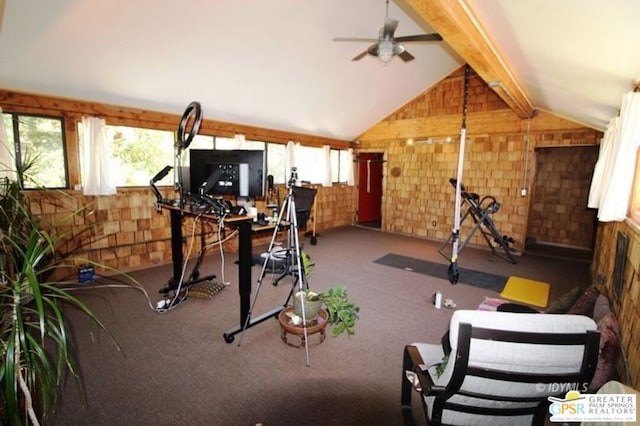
(406, 56)
(359, 39)
(419, 37)
(360, 56)
(389, 28)
(372, 50)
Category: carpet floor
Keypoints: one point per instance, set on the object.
(175, 368)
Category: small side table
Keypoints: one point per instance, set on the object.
(317, 327)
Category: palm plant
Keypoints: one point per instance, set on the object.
(35, 341)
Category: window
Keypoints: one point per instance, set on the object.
(139, 154)
(275, 162)
(39, 148)
(309, 168)
(339, 165)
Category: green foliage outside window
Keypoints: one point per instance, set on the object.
(41, 143)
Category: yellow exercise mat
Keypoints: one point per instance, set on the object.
(527, 291)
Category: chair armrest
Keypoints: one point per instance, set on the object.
(416, 372)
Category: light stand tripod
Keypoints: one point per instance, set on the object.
(287, 218)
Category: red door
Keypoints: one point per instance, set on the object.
(369, 187)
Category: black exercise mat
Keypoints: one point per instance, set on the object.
(439, 270)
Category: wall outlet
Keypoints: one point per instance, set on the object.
(523, 192)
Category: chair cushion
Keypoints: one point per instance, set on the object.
(601, 308)
(564, 302)
(608, 352)
(517, 357)
(519, 322)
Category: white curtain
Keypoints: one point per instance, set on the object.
(350, 175)
(290, 159)
(98, 168)
(603, 168)
(613, 179)
(7, 160)
(326, 170)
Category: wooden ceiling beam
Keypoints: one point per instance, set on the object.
(455, 22)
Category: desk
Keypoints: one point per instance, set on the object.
(243, 223)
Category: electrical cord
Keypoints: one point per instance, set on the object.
(178, 298)
(181, 296)
(168, 304)
(221, 248)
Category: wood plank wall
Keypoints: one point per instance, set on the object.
(627, 306)
(496, 159)
(124, 231)
(420, 201)
(563, 193)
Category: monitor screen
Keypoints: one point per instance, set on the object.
(226, 172)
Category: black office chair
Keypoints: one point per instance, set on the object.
(304, 198)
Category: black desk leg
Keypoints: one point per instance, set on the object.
(244, 284)
(176, 250)
(244, 269)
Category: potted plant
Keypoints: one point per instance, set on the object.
(341, 312)
(35, 342)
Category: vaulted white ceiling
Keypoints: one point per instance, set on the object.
(275, 64)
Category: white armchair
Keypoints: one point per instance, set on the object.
(502, 367)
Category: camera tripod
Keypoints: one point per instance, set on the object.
(292, 256)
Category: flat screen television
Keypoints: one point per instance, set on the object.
(235, 172)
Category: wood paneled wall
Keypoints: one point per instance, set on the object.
(627, 305)
(124, 231)
(559, 213)
(498, 159)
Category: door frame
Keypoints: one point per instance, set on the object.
(382, 183)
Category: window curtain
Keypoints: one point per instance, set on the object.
(612, 180)
(603, 167)
(7, 160)
(350, 176)
(97, 173)
(326, 166)
(290, 158)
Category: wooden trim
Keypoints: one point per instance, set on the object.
(480, 123)
(119, 115)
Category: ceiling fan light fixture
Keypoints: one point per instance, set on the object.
(385, 51)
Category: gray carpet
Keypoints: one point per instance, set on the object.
(480, 279)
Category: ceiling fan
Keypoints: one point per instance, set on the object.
(386, 46)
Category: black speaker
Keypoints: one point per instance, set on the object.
(269, 182)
